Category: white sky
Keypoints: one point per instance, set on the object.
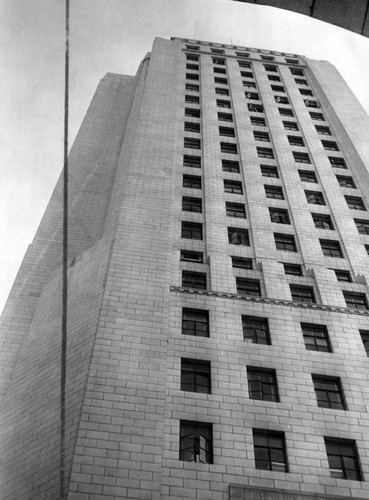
(113, 36)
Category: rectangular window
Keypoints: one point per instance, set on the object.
(192, 256)
(242, 54)
(330, 145)
(255, 108)
(233, 187)
(221, 81)
(323, 130)
(329, 393)
(274, 192)
(278, 88)
(307, 176)
(279, 99)
(226, 131)
(302, 294)
(262, 384)
(219, 70)
(192, 127)
(193, 47)
(270, 450)
(244, 64)
(196, 442)
(269, 171)
(285, 112)
(316, 337)
(274, 78)
(252, 95)
(219, 60)
(238, 236)
(297, 72)
(309, 103)
(191, 143)
(279, 215)
(355, 202)
(192, 87)
(346, 181)
(190, 204)
(235, 210)
(195, 322)
(355, 300)
(230, 166)
(193, 112)
(290, 125)
(195, 375)
(285, 242)
(362, 226)
(265, 152)
(221, 91)
(315, 197)
(241, 262)
(292, 61)
(247, 74)
(223, 104)
(194, 67)
(322, 221)
(249, 85)
(191, 279)
(256, 329)
(192, 181)
(295, 140)
(192, 99)
(316, 116)
(301, 157)
(228, 147)
(365, 339)
(225, 117)
(257, 121)
(301, 81)
(271, 68)
(217, 51)
(337, 162)
(293, 269)
(343, 459)
(331, 248)
(306, 92)
(342, 275)
(192, 57)
(267, 58)
(261, 136)
(191, 230)
(249, 287)
(192, 76)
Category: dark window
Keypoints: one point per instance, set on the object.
(191, 230)
(192, 87)
(292, 61)
(343, 459)
(307, 176)
(365, 339)
(223, 104)
(316, 116)
(261, 136)
(268, 171)
(242, 54)
(226, 131)
(337, 162)
(250, 85)
(278, 88)
(314, 197)
(192, 57)
(234, 187)
(270, 68)
(241, 262)
(362, 226)
(219, 60)
(355, 300)
(244, 64)
(192, 127)
(329, 392)
(323, 130)
(330, 145)
(294, 269)
(192, 99)
(274, 78)
(191, 204)
(331, 248)
(192, 181)
(195, 375)
(322, 221)
(316, 337)
(238, 236)
(279, 215)
(193, 112)
(191, 279)
(247, 74)
(295, 140)
(285, 242)
(309, 103)
(228, 147)
(235, 210)
(195, 322)
(279, 99)
(192, 66)
(221, 91)
(191, 143)
(285, 112)
(252, 95)
(230, 166)
(196, 442)
(257, 121)
(262, 384)
(193, 47)
(267, 58)
(274, 192)
(265, 152)
(290, 125)
(255, 108)
(301, 81)
(346, 181)
(217, 51)
(342, 275)
(355, 202)
(256, 329)
(192, 256)
(306, 92)
(219, 70)
(301, 157)
(222, 81)
(270, 450)
(302, 294)
(297, 71)
(192, 76)
(225, 117)
(249, 287)
(367, 249)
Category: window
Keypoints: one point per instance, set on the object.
(250, 85)
(274, 192)
(290, 126)
(192, 181)
(252, 95)
(219, 60)
(191, 279)
(235, 210)
(191, 230)
(244, 64)
(221, 91)
(256, 329)
(230, 166)
(367, 249)
(274, 78)
(223, 104)
(302, 294)
(193, 112)
(249, 287)
(217, 51)
(285, 112)
(316, 337)
(316, 116)
(281, 99)
(196, 442)
(315, 197)
(322, 221)
(362, 226)
(270, 450)
(191, 204)
(267, 58)
(225, 117)
(268, 171)
(226, 131)
(295, 140)
(192, 127)
(355, 202)
(365, 339)
(241, 263)
(222, 81)
(278, 88)
(262, 384)
(285, 242)
(306, 92)
(193, 47)
(297, 71)
(279, 215)
(195, 375)
(323, 130)
(255, 108)
(191, 143)
(261, 136)
(343, 459)
(301, 157)
(219, 70)
(330, 145)
(342, 275)
(192, 99)
(355, 300)
(195, 322)
(242, 54)
(192, 256)
(247, 74)
(307, 176)
(264, 152)
(234, 187)
(238, 236)
(329, 392)
(309, 103)
(292, 61)
(257, 121)
(270, 68)
(346, 181)
(337, 162)
(192, 87)
(228, 147)
(192, 66)
(293, 269)
(192, 57)
(331, 248)
(192, 76)
(301, 81)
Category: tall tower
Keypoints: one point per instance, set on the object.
(218, 322)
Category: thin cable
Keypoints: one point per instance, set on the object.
(65, 262)
(365, 17)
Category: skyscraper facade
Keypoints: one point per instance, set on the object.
(218, 318)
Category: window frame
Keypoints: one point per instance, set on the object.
(200, 326)
(202, 435)
(262, 384)
(318, 334)
(256, 328)
(270, 451)
(195, 375)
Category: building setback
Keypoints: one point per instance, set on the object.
(218, 322)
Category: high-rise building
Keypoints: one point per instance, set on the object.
(218, 321)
